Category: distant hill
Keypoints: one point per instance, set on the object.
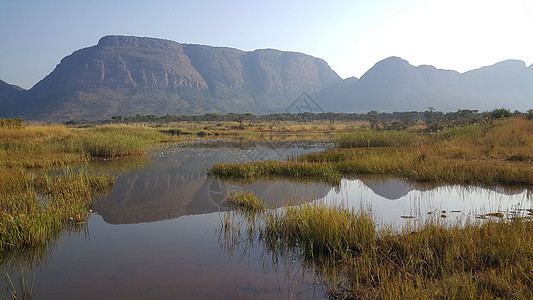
(125, 75)
(11, 97)
(395, 85)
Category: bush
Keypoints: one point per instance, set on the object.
(501, 113)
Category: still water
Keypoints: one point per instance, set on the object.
(157, 234)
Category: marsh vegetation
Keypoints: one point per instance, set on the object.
(50, 174)
(356, 257)
(492, 152)
(47, 179)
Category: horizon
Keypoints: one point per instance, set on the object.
(350, 36)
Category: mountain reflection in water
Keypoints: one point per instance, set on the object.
(170, 255)
(176, 184)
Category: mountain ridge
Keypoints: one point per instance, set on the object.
(128, 75)
(393, 84)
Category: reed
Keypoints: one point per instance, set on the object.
(320, 230)
(356, 258)
(36, 202)
(289, 169)
(34, 207)
(379, 138)
(26, 287)
(498, 152)
(246, 200)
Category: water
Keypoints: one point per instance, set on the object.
(396, 202)
(157, 234)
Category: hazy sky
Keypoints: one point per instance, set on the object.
(350, 35)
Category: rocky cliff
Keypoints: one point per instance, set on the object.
(124, 75)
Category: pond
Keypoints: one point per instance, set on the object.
(158, 234)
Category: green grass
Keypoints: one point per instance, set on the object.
(320, 230)
(491, 153)
(246, 200)
(467, 260)
(355, 258)
(35, 207)
(379, 138)
(288, 169)
(25, 287)
(36, 200)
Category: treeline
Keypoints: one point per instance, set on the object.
(434, 120)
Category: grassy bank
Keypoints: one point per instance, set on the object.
(355, 258)
(46, 180)
(496, 152)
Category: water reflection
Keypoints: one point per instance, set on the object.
(153, 236)
(395, 201)
(394, 188)
(176, 184)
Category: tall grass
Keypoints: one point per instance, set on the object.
(290, 169)
(492, 153)
(379, 138)
(34, 207)
(246, 200)
(35, 204)
(114, 140)
(320, 230)
(25, 287)
(355, 258)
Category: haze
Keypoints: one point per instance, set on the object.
(350, 35)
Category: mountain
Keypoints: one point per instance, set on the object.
(11, 97)
(124, 75)
(395, 85)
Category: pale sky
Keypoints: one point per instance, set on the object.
(350, 35)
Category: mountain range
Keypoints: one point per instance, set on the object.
(125, 75)
(395, 85)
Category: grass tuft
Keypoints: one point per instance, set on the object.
(246, 200)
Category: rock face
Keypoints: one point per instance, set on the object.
(125, 75)
(395, 85)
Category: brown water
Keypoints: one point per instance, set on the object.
(157, 234)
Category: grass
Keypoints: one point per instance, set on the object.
(489, 259)
(383, 138)
(26, 287)
(246, 200)
(320, 230)
(230, 128)
(492, 153)
(46, 180)
(355, 258)
(290, 169)
(34, 207)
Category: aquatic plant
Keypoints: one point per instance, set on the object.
(246, 200)
(355, 259)
(498, 152)
(45, 180)
(379, 138)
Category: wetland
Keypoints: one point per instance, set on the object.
(340, 215)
